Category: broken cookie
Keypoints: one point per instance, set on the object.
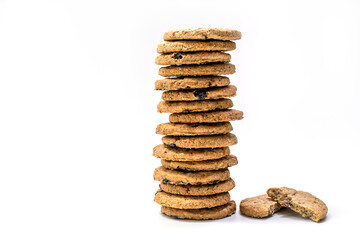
(301, 202)
(259, 206)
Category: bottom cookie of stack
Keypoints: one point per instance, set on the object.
(203, 213)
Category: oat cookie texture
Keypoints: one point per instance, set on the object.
(195, 152)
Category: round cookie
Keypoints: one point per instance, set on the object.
(206, 117)
(212, 141)
(198, 190)
(197, 70)
(191, 202)
(201, 214)
(194, 106)
(180, 129)
(183, 154)
(207, 165)
(195, 46)
(301, 202)
(259, 206)
(181, 83)
(193, 178)
(200, 94)
(192, 58)
(202, 34)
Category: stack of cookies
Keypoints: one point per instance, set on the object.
(195, 155)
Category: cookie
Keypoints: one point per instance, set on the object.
(259, 206)
(207, 165)
(193, 178)
(301, 202)
(195, 46)
(206, 117)
(200, 94)
(195, 106)
(212, 141)
(181, 83)
(199, 190)
(180, 129)
(183, 154)
(202, 34)
(201, 214)
(197, 70)
(192, 58)
(191, 202)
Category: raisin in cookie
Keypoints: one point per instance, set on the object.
(195, 106)
(200, 94)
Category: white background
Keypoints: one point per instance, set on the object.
(78, 115)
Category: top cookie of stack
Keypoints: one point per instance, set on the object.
(195, 151)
